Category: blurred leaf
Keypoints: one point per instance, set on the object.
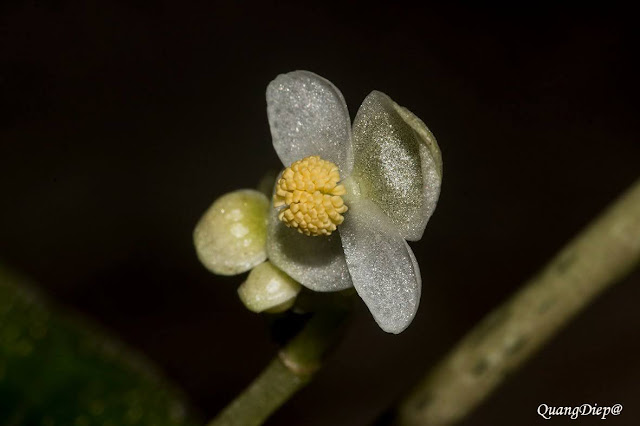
(56, 369)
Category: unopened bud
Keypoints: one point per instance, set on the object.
(230, 238)
(268, 289)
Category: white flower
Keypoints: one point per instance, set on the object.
(390, 169)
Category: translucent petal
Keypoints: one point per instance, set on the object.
(397, 163)
(269, 289)
(308, 116)
(230, 238)
(382, 266)
(315, 262)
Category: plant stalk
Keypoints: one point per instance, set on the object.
(599, 256)
(287, 373)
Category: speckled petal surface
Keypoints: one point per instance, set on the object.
(308, 116)
(382, 266)
(397, 163)
(317, 263)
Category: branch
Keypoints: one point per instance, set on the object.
(287, 373)
(598, 257)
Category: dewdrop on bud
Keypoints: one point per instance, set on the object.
(268, 289)
(230, 238)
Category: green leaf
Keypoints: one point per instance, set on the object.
(56, 369)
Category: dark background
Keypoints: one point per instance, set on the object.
(121, 123)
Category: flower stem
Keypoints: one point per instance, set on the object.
(287, 373)
(595, 259)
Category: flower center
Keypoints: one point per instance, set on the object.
(309, 189)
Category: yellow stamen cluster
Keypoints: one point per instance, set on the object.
(309, 189)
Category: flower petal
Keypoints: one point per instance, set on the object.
(308, 116)
(230, 238)
(382, 266)
(315, 262)
(397, 163)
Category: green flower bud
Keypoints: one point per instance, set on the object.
(268, 289)
(230, 238)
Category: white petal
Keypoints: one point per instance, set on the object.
(269, 289)
(382, 266)
(230, 238)
(397, 163)
(315, 262)
(308, 116)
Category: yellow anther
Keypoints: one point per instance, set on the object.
(309, 189)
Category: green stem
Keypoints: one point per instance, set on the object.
(598, 257)
(287, 373)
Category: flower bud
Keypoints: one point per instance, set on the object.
(268, 289)
(230, 238)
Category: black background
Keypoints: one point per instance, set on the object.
(121, 122)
